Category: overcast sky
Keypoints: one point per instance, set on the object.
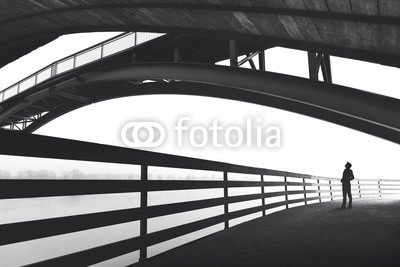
(307, 145)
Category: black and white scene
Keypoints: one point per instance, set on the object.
(199, 133)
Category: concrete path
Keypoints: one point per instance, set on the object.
(314, 235)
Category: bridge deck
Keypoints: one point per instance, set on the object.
(319, 234)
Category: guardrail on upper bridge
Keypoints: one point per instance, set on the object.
(94, 53)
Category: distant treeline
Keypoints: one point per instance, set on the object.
(71, 174)
(79, 174)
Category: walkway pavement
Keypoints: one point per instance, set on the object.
(313, 235)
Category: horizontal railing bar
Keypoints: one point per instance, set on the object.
(315, 184)
(329, 197)
(367, 189)
(369, 185)
(28, 230)
(392, 189)
(354, 184)
(168, 209)
(49, 147)
(174, 208)
(26, 188)
(17, 232)
(355, 180)
(167, 234)
(315, 177)
(101, 253)
(297, 192)
(15, 188)
(97, 254)
(31, 145)
(328, 190)
(94, 255)
(301, 200)
(314, 191)
(24, 231)
(381, 180)
(167, 185)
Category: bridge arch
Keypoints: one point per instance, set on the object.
(356, 109)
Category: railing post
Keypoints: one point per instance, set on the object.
(359, 188)
(286, 193)
(233, 53)
(226, 210)
(261, 60)
(326, 68)
(177, 52)
(313, 67)
(74, 62)
(262, 192)
(304, 190)
(102, 50)
(330, 189)
(143, 206)
(54, 69)
(379, 187)
(319, 191)
(135, 39)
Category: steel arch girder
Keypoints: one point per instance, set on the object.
(367, 112)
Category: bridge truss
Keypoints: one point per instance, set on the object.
(186, 64)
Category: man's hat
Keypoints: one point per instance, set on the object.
(348, 164)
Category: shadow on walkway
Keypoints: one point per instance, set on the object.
(313, 235)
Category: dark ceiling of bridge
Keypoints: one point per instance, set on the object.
(362, 29)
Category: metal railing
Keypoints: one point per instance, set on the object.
(276, 190)
(94, 53)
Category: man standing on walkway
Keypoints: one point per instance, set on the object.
(346, 186)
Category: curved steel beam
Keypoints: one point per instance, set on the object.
(367, 112)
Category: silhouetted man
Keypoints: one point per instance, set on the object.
(346, 187)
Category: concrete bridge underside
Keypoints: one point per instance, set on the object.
(313, 235)
(361, 29)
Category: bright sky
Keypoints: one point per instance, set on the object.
(308, 145)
